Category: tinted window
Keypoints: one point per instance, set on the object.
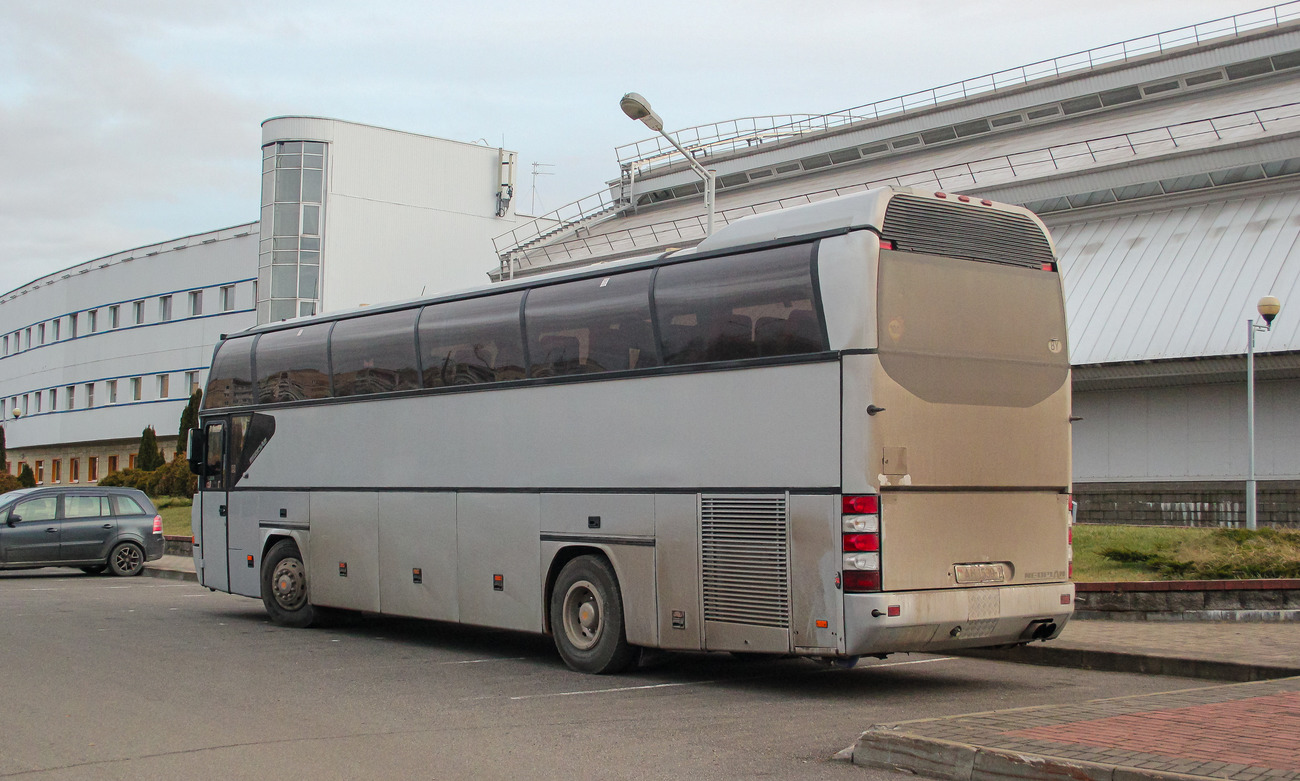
(473, 341)
(591, 325)
(85, 506)
(293, 365)
(230, 383)
(128, 506)
(374, 354)
(41, 509)
(741, 306)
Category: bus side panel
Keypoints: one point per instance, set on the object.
(860, 464)
(677, 567)
(499, 534)
(417, 531)
(600, 519)
(244, 539)
(816, 622)
(343, 565)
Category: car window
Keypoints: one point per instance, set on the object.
(128, 506)
(42, 509)
(85, 506)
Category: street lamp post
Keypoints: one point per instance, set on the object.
(1268, 308)
(637, 107)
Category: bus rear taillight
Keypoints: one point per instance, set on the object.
(860, 523)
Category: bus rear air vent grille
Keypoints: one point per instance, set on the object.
(935, 227)
(745, 552)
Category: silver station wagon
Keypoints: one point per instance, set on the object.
(117, 529)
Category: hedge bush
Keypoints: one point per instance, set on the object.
(171, 479)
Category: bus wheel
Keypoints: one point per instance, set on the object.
(284, 586)
(587, 617)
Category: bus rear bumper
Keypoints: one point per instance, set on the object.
(954, 618)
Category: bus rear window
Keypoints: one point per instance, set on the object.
(758, 304)
(230, 383)
(956, 331)
(293, 364)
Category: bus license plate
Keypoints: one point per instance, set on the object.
(981, 573)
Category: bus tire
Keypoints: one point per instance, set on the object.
(284, 586)
(587, 618)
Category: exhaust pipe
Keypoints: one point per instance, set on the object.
(1040, 629)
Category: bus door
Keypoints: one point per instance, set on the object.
(214, 567)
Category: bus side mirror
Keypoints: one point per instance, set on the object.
(194, 451)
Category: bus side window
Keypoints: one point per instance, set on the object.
(472, 341)
(374, 354)
(739, 306)
(590, 325)
(214, 466)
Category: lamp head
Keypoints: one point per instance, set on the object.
(637, 107)
(1268, 307)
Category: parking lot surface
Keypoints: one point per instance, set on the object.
(145, 678)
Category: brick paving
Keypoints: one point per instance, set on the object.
(1269, 643)
(1241, 732)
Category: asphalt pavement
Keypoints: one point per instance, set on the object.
(1240, 731)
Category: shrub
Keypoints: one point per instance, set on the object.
(8, 483)
(26, 478)
(171, 479)
(150, 457)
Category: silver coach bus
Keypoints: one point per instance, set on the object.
(832, 431)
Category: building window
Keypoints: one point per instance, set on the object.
(6, 344)
(192, 381)
(56, 324)
(164, 382)
(56, 472)
(135, 388)
(40, 333)
(112, 464)
(40, 472)
(293, 189)
(111, 387)
(72, 326)
(28, 341)
(114, 316)
(38, 402)
(92, 469)
(74, 470)
(26, 404)
(130, 461)
(164, 308)
(196, 303)
(227, 298)
(92, 320)
(71, 395)
(138, 311)
(90, 395)
(54, 399)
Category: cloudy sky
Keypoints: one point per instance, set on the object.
(127, 122)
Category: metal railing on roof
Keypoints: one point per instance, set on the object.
(1034, 162)
(748, 132)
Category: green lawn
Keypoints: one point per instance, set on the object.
(1178, 553)
(175, 512)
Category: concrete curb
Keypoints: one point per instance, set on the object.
(888, 748)
(1115, 661)
(170, 574)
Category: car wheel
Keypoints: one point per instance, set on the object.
(126, 559)
(94, 569)
(284, 586)
(587, 617)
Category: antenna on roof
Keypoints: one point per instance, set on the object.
(536, 173)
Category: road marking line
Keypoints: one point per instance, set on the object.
(618, 689)
(702, 683)
(914, 661)
(481, 661)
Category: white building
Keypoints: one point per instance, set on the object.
(351, 215)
